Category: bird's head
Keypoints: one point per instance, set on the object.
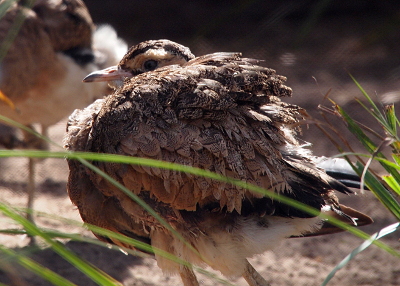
(144, 57)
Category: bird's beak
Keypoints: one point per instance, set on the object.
(109, 74)
(8, 101)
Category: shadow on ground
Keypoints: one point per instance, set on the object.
(113, 262)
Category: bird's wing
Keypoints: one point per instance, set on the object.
(222, 115)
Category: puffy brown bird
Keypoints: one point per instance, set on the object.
(219, 112)
(46, 49)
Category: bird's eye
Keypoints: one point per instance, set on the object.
(150, 65)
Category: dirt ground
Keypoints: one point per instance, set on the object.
(300, 261)
(318, 66)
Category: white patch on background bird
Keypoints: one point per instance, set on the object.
(108, 47)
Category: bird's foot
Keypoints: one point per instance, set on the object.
(32, 141)
(253, 277)
(188, 277)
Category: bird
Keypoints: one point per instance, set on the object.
(47, 47)
(220, 112)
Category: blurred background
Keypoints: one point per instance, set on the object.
(315, 44)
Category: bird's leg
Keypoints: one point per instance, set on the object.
(31, 187)
(187, 276)
(33, 142)
(31, 194)
(45, 133)
(253, 277)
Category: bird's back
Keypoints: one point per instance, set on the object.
(219, 112)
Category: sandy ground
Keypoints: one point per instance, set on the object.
(301, 261)
(319, 65)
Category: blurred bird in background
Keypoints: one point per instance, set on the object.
(219, 112)
(47, 47)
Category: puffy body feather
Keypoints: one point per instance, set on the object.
(220, 112)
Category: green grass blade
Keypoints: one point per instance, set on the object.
(357, 131)
(89, 270)
(388, 163)
(366, 141)
(29, 130)
(391, 120)
(396, 158)
(392, 183)
(4, 6)
(13, 31)
(387, 119)
(382, 119)
(374, 185)
(190, 170)
(376, 111)
(381, 160)
(140, 202)
(380, 191)
(54, 234)
(34, 267)
(148, 248)
(127, 240)
(383, 232)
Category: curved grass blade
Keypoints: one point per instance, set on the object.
(89, 270)
(392, 120)
(195, 171)
(105, 232)
(14, 29)
(366, 141)
(127, 240)
(381, 160)
(33, 266)
(148, 248)
(392, 183)
(4, 6)
(396, 158)
(380, 191)
(383, 232)
(375, 186)
(29, 130)
(375, 110)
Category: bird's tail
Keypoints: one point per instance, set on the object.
(344, 214)
(341, 170)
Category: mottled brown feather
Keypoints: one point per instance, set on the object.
(219, 112)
